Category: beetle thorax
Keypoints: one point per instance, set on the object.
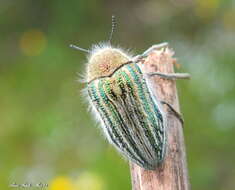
(105, 62)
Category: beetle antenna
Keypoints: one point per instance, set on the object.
(113, 28)
(79, 48)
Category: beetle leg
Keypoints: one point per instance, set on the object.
(149, 50)
(177, 114)
(170, 76)
(155, 47)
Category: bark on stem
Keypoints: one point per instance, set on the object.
(172, 173)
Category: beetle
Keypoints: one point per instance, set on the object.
(121, 98)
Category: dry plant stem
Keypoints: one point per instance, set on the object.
(172, 173)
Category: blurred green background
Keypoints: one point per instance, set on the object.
(46, 132)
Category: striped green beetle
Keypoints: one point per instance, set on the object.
(131, 118)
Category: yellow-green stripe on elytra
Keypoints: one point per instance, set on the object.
(130, 116)
(150, 132)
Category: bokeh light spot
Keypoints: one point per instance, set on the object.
(32, 42)
(90, 181)
(228, 20)
(206, 9)
(61, 183)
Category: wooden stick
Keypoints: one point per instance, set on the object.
(172, 173)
